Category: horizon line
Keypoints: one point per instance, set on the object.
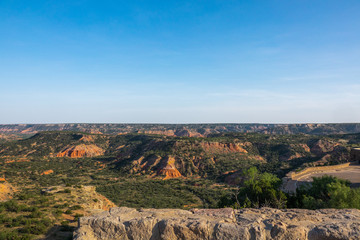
(190, 123)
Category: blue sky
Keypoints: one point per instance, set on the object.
(270, 61)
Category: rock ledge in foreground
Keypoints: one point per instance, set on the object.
(264, 223)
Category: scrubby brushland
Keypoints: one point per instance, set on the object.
(54, 177)
(263, 190)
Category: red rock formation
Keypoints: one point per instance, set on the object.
(81, 150)
(6, 191)
(168, 168)
(47, 172)
(223, 147)
(305, 147)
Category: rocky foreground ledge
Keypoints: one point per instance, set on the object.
(264, 223)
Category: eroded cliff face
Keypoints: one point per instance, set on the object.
(6, 190)
(181, 132)
(265, 223)
(47, 172)
(168, 168)
(81, 150)
(158, 166)
(214, 147)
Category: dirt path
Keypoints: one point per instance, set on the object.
(351, 173)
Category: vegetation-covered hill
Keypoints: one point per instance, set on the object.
(141, 170)
(211, 157)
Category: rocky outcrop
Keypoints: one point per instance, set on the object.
(168, 168)
(156, 166)
(90, 199)
(85, 196)
(264, 223)
(159, 132)
(81, 150)
(223, 147)
(187, 133)
(6, 191)
(182, 132)
(47, 172)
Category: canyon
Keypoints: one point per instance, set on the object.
(72, 175)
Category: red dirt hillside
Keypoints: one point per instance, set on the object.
(223, 147)
(47, 172)
(168, 168)
(81, 150)
(6, 191)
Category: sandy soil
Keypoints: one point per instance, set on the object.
(351, 173)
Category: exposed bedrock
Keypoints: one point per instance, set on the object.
(251, 224)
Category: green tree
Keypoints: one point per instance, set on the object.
(327, 192)
(257, 190)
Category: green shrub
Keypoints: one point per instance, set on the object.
(68, 211)
(77, 216)
(67, 191)
(36, 214)
(57, 212)
(34, 229)
(14, 235)
(327, 192)
(65, 223)
(76, 207)
(13, 206)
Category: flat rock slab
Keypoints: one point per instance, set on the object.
(226, 223)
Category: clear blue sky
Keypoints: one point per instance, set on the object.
(270, 61)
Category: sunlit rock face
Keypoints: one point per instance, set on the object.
(168, 168)
(81, 150)
(264, 223)
(223, 147)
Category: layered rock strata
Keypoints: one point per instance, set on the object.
(168, 168)
(224, 147)
(264, 223)
(81, 150)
